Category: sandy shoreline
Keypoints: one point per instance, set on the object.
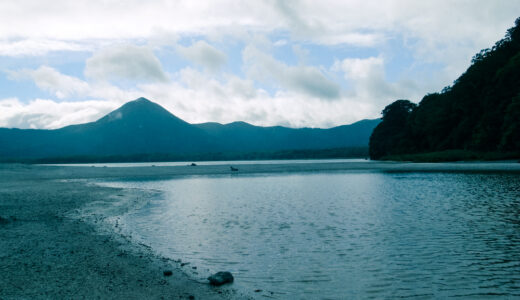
(51, 248)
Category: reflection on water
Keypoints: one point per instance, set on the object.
(345, 235)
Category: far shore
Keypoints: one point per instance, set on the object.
(51, 247)
(106, 171)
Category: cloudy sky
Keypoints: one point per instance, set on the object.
(292, 63)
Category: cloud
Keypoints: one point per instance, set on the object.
(304, 79)
(280, 43)
(356, 22)
(125, 62)
(50, 80)
(204, 54)
(237, 99)
(36, 47)
(195, 97)
(49, 114)
(367, 80)
(273, 91)
(66, 87)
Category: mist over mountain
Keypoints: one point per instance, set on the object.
(144, 127)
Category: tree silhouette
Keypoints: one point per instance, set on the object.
(479, 112)
(390, 135)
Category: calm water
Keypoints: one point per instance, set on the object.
(213, 163)
(342, 235)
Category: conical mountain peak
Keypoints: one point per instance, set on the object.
(141, 110)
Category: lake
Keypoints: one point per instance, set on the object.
(213, 163)
(340, 235)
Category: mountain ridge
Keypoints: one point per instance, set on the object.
(143, 127)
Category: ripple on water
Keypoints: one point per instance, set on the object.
(415, 235)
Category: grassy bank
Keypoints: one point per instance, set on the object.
(454, 155)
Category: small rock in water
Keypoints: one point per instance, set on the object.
(258, 291)
(168, 273)
(193, 164)
(220, 278)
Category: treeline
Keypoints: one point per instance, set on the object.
(479, 113)
(352, 152)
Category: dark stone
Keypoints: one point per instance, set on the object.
(220, 278)
(258, 291)
(193, 164)
(168, 273)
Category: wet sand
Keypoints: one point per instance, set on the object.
(53, 246)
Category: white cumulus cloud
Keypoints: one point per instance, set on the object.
(50, 80)
(125, 62)
(204, 54)
(49, 114)
(304, 79)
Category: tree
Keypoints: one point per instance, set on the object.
(511, 127)
(391, 135)
(479, 112)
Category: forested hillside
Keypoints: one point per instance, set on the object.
(480, 112)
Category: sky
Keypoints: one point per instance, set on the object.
(290, 63)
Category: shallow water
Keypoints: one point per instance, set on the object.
(341, 235)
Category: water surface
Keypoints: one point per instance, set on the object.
(213, 163)
(341, 235)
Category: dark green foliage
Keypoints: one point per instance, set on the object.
(511, 127)
(390, 135)
(479, 113)
(454, 155)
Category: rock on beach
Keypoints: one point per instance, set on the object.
(220, 278)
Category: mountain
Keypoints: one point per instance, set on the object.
(144, 127)
(241, 136)
(479, 113)
(139, 126)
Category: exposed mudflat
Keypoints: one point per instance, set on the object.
(53, 246)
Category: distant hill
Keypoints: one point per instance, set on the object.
(479, 114)
(143, 127)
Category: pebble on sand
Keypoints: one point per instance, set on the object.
(220, 278)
